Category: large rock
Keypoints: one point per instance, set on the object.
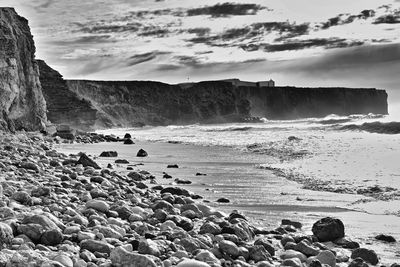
(96, 246)
(6, 234)
(22, 105)
(141, 153)
(123, 258)
(328, 229)
(98, 205)
(109, 154)
(87, 162)
(367, 255)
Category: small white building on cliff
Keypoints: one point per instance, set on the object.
(270, 83)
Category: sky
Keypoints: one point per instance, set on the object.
(351, 43)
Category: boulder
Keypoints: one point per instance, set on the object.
(327, 257)
(96, 246)
(358, 262)
(367, 255)
(223, 200)
(171, 166)
(87, 162)
(51, 237)
(328, 229)
(259, 253)
(128, 141)
(121, 257)
(386, 238)
(127, 135)
(98, 205)
(229, 248)
(109, 154)
(121, 161)
(175, 191)
(6, 234)
(141, 153)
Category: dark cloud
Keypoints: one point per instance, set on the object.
(291, 45)
(141, 58)
(388, 19)
(343, 19)
(226, 9)
(110, 28)
(253, 33)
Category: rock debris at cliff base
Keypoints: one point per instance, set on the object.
(56, 212)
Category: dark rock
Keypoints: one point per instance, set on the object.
(96, 246)
(328, 229)
(223, 200)
(367, 255)
(297, 225)
(141, 153)
(180, 181)
(386, 238)
(51, 237)
(175, 191)
(128, 141)
(173, 166)
(266, 244)
(259, 253)
(201, 174)
(127, 135)
(109, 154)
(87, 162)
(358, 262)
(121, 161)
(167, 176)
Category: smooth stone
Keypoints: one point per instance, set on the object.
(290, 254)
(64, 260)
(328, 229)
(306, 248)
(98, 205)
(229, 248)
(51, 237)
(294, 262)
(386, 238)
(6, 234)
(96, 246)
(109, 154)
(192, 263)
(207, 256)
(141, 153)
(327, 257)
(367, 255)
(259, 253)
(121, 257)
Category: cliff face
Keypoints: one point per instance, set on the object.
(124, 104)
(63, 105)
(22, 105)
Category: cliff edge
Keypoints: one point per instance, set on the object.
(22, 105)
(63, 105)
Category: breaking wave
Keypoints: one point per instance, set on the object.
(375, 127)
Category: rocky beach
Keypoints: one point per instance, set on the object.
(65, 210)
(71, 197)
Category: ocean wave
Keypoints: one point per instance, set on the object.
(230, 129)
(282, 150)
(375, 127)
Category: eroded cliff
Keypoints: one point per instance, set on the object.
(63, 105)
(132, 103)
(22, 105)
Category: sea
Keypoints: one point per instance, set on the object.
(342, 166)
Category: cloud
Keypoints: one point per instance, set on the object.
(388, 19)
(343, 19)
(90, 39)
(110, 28)
(292, 45)
(254, 32)
(226, 9)
(141, 58)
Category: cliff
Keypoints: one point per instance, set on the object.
(133, 103)
(22, 105)
(63, 105)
